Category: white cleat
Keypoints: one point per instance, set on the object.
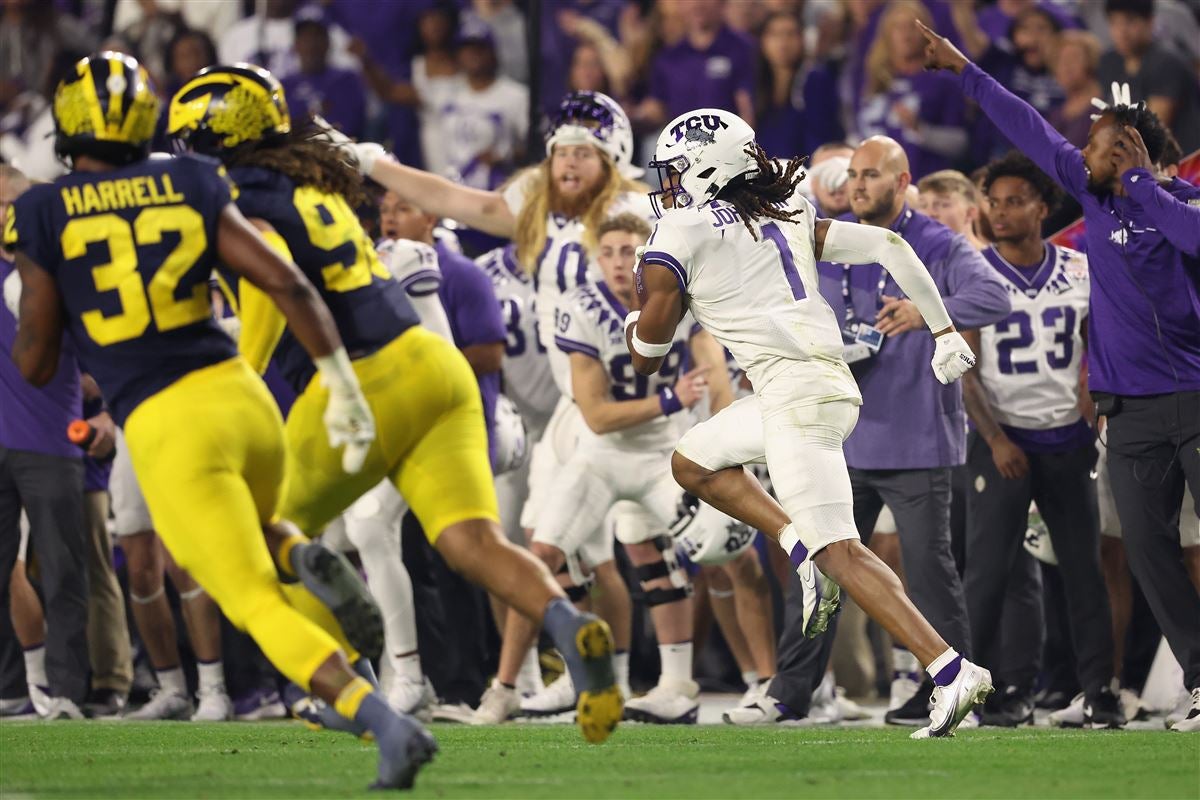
(952, 703)
(15, 708)
(755, 692)
(163, 705)
(62, 708)
(822, 598)
(452, 712)
(850, 710)
(904, 688)
(415, 698)
(499, 704)
(1190, 723)
(40, 697)
(557, 698)
(669, 703)
(1071, 716)
(766, 710)
(824, 708)
(213, 705)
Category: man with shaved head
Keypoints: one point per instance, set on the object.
(901, 455)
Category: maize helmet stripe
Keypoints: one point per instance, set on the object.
(87, 82)
(223, 107)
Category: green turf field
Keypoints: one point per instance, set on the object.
(244, 760)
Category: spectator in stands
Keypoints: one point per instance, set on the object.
(211, 17)
(1075, 64)
(796, 102)
(712, 67)
(189, 52)
(1154, 73)
(336, 94)
(599, 63)
(508, 26)
(32, 33)
(268, 40)
(950, 198)
(558, 38)
(921, 110)
(1021, 58)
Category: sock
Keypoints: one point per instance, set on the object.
(750, 677)
(560, 621)
(530, 676)
(621, 669)
(367, 707)
(789, 540)
(35, 666)
(211, 676)
(408, 667)
(676, 661)
(905, 664)
(944, 669)
(350, 699)
(172, 680)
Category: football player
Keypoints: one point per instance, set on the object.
(432, 441)
(737, 246)
(119, 252)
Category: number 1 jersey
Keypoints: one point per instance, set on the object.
(131, 250)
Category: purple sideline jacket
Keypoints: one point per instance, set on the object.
(908, 420)
(1143, 257)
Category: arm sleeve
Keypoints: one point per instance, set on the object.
(975, 297)
(572, 334)
(1178, 221)
(850, 243)
(1022, 124)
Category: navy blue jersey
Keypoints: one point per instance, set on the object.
(329, 245)
(131, 250)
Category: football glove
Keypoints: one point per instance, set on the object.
(348, 420)
(360, 155)
(951, 357)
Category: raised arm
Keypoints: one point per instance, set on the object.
(1178, 221)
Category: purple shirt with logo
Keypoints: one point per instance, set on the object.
(337, 95)
(31, 418)
(470, 301)
(684, 78)
(908, 420)
(1143, 257)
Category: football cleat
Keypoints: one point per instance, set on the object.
(1071, 716)
(557, 698)
(104, 704)
(1102, 709)
(403, 749)
(213, 705)
(765, 710)
(668, 703)
(822, 598)
(334, 581)
(824, 709)
(951, 703)
(914, 711)
(258, 705)
(164, 704)
(498, 704)
(62, 708)
(1013, 707)
(1190, 723)
(416, 698)
(754, 692)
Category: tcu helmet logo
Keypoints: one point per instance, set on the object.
(693, 128)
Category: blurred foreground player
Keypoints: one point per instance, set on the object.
(119, 252)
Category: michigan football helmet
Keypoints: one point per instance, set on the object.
(698, 154)
(107, 109)
(225, 107)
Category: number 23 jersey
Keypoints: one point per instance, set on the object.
(131, 250)
(757, 297)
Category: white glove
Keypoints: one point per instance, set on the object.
(348, 419)
(360, 155)
(951, 357)
(12, 294)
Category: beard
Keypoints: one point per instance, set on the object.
(576, 205)
(879, 211)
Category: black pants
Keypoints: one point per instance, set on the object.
(801, 662)
(50, 489)
(998, 514)
(1153, 449)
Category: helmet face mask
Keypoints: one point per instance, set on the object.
(108, 110)
(698, 154)
(223, 108)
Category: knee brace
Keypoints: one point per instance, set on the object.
(582, 578)
(670, 568)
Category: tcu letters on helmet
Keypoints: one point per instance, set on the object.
(698, 154)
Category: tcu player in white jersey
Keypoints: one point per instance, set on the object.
(1031, 442)
(738, 249)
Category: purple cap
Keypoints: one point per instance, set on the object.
(475, 31)
(313, 14)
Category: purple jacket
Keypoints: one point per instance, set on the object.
(1143, 255)
(908, 420)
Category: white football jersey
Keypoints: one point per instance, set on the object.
(591, 320)
(414, 265)
(564, 265)
(758, 298)
(1031, 360)
(528, 381)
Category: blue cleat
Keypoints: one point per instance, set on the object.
(589, 659)
(334, 581)
(404, 747)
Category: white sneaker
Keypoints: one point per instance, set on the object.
(1071, 716)
(556, 698)
(62, 708)
(821, 598)
(904, 688)
(850, 710)
(669, 703)
(1191, 722)
(766, 710)
(415, 698)
(754, 692)
(1131, 704)
(163, 705)
(824, 707)
(952, 703)
(214, 706)
(40, 697)
(499, 703)
(452, 712)
(17, 708)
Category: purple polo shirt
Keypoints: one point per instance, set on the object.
(808, 120)
(36, 419)
(1143, 257)
(936, 100)
(684, 78)
(338, 95)
(470, 301)
(908, 420)
(943, 21)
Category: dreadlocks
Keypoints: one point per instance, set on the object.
(308, 159)
(765, 193)
(1146, 123)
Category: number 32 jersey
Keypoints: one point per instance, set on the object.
(757, 297)
(1031, 360)
(131, 250)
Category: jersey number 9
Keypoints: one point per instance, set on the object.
(332, 226)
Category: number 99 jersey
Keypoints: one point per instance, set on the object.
(323, 234)
(131, 250)
(1031, 360)
(591, 320)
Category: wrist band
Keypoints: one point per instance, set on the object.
(668, 401)
(648, 349)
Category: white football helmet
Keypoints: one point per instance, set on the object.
(698, 154)
(595, 118)
(512, 442)
(708, 536)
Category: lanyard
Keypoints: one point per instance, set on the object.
(905, 217)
